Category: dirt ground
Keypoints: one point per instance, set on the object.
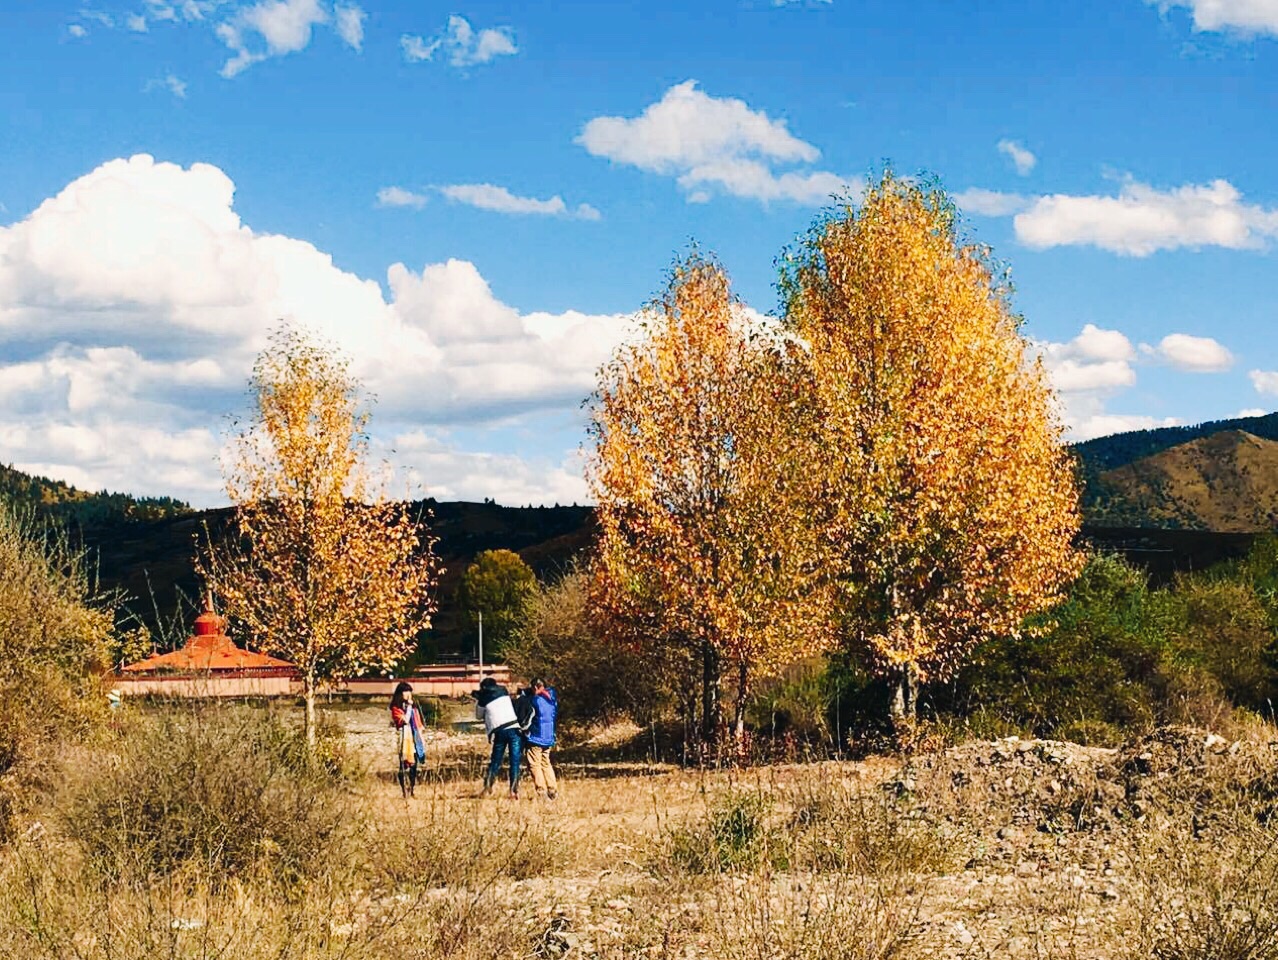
(1007, 848)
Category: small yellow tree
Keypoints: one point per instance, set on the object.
(950, 507)
(699, 497)
(320, 568)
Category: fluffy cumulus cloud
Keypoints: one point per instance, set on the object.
(715, 144)
(348, 21)
(1245, 17)
(1088, 372)
(1142, 219)
(1022, 159)
(1192, 354)
(1265, 381)
(460, 44)
(1095, 360)
(133, 303)
(487, 196)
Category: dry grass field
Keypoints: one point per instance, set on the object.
(1011, 848)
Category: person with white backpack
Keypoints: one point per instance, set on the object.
(494, 706)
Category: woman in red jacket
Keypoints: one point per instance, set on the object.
(406, 718)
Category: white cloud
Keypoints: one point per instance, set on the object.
(77, 30)
(167, 296)
(415, 48)
(136, 22)
(1021, 158)
(1246, 17)
(1265, 381)
(464, 46)
(487, 196)
(991, 203)
(169, 82)
(399, 197)
(1143, 219)
(1086, 372)
(1193, 354)
(349, 23)
(1252, 412)
(714, 142)
(273, 28)
(1089, 426)
(427, 460)
(100, 17)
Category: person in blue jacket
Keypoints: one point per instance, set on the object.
(541, 737)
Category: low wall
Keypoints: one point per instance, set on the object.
(208, 686)
(434, 680)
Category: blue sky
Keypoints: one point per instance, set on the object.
(471, 200)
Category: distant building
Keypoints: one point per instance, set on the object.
(210, 664)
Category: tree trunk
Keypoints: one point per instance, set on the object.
(905, 694)
(742, 691)
(709, 692)
(308, 694)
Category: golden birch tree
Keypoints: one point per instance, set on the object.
(949, 504)
(699, 495)
(320, 567)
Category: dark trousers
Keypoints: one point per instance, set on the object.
(512, 738)
(407, 778)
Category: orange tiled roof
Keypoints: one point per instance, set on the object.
(208, 650)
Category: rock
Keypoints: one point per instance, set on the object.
(1008, 833)
(1027, 868)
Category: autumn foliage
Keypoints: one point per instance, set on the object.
(949, 508)
(703, 559)
(884, 472)
(326, 571)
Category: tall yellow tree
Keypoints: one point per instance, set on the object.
(699, 496)
(949, 507)
(320, 567)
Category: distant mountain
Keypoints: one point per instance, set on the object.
(1120, 449)
(65, 504)
(152, 562)
(1220, 476)
(1226, 482)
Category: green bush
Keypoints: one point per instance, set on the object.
(733, 834)
(796, 704)
(1104, 656)
(227, 789)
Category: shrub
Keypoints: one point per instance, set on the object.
(230, 789)
(55, 635)
(832, 829)
(596, 680)
(1103, 657)
(1206, 904)
(1229, 627)
(795, 704)
(733, 834)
